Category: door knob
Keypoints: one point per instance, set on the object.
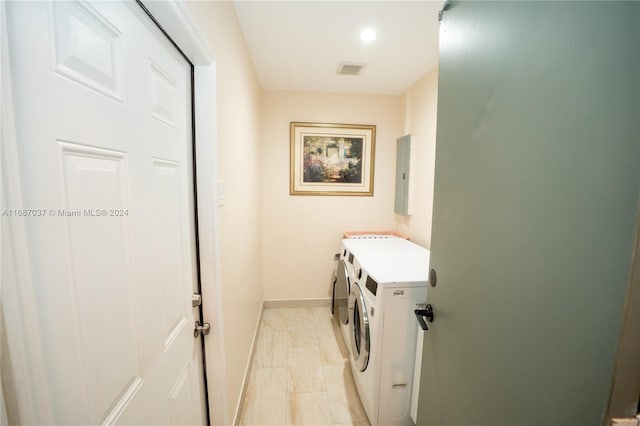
(427, 313)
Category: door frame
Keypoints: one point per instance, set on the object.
(625, 384)
(27, 358)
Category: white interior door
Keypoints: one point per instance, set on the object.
(103, 121)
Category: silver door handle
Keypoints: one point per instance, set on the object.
(196, 300)
(203, 329)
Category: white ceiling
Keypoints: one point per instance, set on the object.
(297, 45)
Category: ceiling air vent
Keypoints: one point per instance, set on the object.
(350, 68)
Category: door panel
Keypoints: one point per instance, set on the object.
(103, 111)
(87, 48)
(536, 189)
(93, 281)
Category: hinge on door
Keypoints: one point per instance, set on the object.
(196, 300)
(203, 329)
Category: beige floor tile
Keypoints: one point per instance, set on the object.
(362, 423)
(300, 373)
(273, 319)
(271, 349)
(297, 316)
(332, 353)
(305, 379)
(333, 350)
(301, 357)
(332, 331)
(265, 399)
(308, 409)
(322, 316)
(303, 335)
(344, 403)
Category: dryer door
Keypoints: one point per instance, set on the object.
(359, 329)
(341, 292)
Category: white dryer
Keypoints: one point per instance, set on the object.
(343, 279)
(389, 283)
(341, 291)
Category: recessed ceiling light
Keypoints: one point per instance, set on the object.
(368, 35)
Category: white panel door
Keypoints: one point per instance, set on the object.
(103, 112)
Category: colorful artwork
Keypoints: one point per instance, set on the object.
(332, 159)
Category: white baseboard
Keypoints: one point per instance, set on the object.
(247, 371)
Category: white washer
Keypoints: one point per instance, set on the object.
(344, 276)
(389, 282)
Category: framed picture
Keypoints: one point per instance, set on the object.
(332, 159)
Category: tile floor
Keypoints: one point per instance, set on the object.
(300, 373)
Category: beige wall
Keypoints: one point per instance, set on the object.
(238, 101)
(276, 246)
(300, 234)
(419, 117)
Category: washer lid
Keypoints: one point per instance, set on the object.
(391, 259)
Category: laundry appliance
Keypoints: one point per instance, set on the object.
(388, 281)
(342, 278)
(344, 275)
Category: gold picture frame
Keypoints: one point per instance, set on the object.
(332, 159)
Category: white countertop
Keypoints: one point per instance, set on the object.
(391, 260)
